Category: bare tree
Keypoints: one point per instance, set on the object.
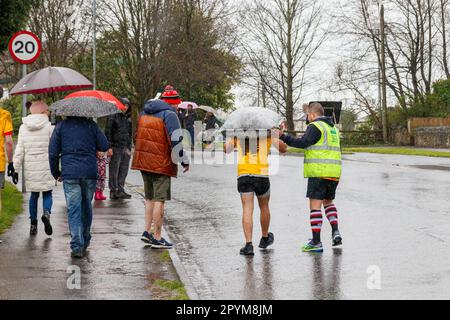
(280, 39)
(412, 39)
(62, 29)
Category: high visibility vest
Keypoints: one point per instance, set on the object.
(323, 160)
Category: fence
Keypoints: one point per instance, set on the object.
(355, 137)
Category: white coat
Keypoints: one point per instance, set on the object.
(32, 152)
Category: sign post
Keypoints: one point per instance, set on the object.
(24, 47)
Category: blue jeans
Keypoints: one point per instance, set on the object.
(47, 203)
(79, 194)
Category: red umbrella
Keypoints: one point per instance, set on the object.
(51, 79)
(99, 95)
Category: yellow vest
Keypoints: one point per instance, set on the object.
(253, 162)
(323, 160)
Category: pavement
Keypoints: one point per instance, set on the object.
(118, 266)
(394, 217)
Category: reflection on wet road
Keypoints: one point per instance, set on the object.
(394, 215)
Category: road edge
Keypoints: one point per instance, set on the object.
(176, 261)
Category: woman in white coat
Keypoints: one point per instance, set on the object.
(32, 152)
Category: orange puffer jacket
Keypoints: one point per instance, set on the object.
(153, 148)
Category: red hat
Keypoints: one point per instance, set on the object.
(170, 95)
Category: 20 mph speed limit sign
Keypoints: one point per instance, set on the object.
(25, 47)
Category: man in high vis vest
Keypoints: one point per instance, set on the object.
(322, 167)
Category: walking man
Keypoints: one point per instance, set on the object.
(6, 141)
(119, 135)
(158, 134)
(253, 180)
(75, 141)
(322, 167)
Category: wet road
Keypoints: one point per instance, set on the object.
(118, 266)
(394, 217)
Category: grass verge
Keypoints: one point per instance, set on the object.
(11, 206)
(388, 150)
(173, 289)
(401, 151)
(301, 151)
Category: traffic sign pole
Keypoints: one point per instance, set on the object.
(24, 47)
(24, 114)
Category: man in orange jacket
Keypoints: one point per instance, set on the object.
(158, 135)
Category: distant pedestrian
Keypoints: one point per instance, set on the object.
(158, 136)
(75, 141)
(322, 167)
(119, 135)
(32, 152)
(6, 142)
(181, 113)
(189, 121)
(210, 121)
(253, 180)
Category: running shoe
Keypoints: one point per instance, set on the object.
(265, 242)
(147, 237)
(161, 244)
(312, 247)
(247, 250)
(337, 238)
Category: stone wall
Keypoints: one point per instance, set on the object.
(401, 137)
(432, 137)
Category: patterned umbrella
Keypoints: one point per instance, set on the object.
(51, 79)
(98, 94)
(87, 107)
(186, 104)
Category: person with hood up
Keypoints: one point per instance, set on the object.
(157, 153)
(322, 167)
(32, 152)
(119, 134)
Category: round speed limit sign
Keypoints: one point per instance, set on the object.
(25, 47)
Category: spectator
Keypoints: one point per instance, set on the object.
(75, 141)
(6, 141)
(156, 138)
(119, 135)
(32, 153)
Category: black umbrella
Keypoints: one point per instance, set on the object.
(87, 107)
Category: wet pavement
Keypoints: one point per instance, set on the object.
(394, 216)
(118, 266)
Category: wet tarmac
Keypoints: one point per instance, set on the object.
(394, 215)
(118, 266)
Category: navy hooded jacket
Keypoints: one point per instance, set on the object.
(160, 109)
(75, 142)
(311, 136)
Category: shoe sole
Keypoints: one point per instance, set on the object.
(48, 227)
(155, 246)
(146, 242)
(313, 251)
(247, 254)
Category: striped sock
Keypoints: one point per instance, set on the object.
(316, 224)
(332, 215)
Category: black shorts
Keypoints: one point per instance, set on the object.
(252, 184)
(321, 189)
